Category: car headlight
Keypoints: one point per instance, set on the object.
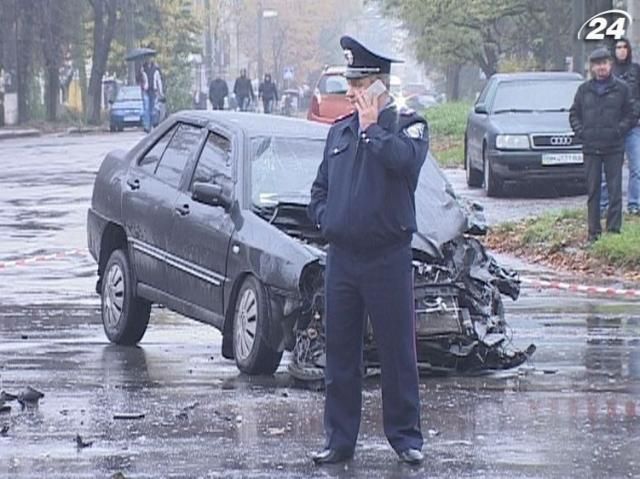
(512, 142)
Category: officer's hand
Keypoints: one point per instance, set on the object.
(367, 109)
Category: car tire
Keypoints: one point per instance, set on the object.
(121, 128)
(124, 315)
(474, 177)
(492, 182)
(251, 323)
(112, 127)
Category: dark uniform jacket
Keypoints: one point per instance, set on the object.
(602, 119)
(363, 198)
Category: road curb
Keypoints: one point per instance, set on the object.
(11, 134)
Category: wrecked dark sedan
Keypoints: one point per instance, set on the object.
(207, 216)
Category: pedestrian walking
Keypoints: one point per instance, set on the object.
(626, 69)
(243, 90)
(143, 81)
(268, 91)
(152, 92)
(363, 201)
(218, 91)
(601, 115)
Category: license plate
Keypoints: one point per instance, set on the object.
(131, 118)
(562, 159)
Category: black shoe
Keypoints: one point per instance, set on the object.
(331, 456)
(593, 238)
(411, 456)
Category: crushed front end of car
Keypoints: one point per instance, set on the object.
(460, 321)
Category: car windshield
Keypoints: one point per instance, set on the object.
(129, 93)
(333, 85)
(535, 95)
(283, 168)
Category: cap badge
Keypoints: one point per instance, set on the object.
(348, 54)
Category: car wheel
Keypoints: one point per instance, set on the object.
(112, 127)
(250, 330)
(492, 182)
(474, 177)
(124, 316)
(121, 128)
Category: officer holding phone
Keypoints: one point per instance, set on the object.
(363, 201)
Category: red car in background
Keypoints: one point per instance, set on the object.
(329, 101)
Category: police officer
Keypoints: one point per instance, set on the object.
(363, 201)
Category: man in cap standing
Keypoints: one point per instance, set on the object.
(363, 201)
(601, 115)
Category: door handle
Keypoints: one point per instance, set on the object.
(133, 184)
(182, 210)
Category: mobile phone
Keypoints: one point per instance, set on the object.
(376, 89)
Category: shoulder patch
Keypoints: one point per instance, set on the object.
(343, 117)
(415, 131)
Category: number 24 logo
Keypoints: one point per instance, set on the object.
(598, 26)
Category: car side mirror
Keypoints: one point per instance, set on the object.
(481, 109)
(211, 194)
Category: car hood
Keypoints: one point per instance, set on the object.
(535, 122)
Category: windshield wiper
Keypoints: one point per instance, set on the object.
(514, 110)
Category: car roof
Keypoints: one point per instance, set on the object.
(537, 76)
(256, 124)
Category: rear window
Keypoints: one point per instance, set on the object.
(332, 85)
(535, 95)
(129, 93)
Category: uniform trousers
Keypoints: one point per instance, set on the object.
(382, 286)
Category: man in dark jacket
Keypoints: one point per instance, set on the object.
(601, 116)
(243, 91)
(363, 201)
(625, 69)
(218, 91)
(268, 92)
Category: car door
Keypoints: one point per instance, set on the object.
(201, 232)
(148, 202)
(477, 124)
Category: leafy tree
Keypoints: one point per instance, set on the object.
(174, 32)
(460, 31)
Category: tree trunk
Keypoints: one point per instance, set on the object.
(52, 92)
(102, 36)
(453, 82)
(51, 35)
(24, 34)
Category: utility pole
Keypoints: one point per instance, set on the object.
(208, 48)
(260, 61)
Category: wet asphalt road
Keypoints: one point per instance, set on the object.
(571, 412)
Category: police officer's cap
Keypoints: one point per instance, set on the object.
(361, 61)
(599, 54)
